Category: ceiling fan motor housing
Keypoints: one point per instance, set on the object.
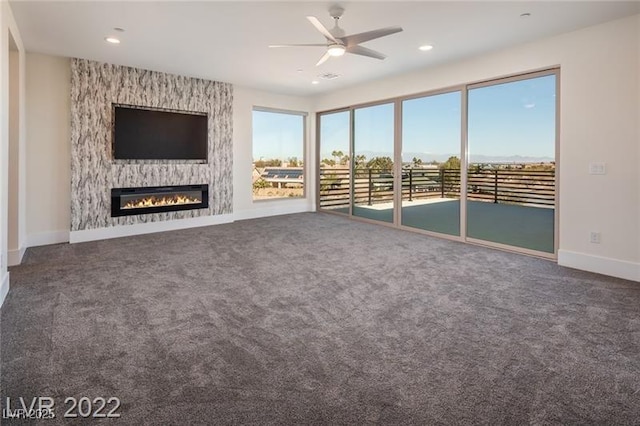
(336, 11)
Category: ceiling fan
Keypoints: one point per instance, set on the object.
(338, 43)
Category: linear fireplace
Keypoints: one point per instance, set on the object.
(158, 199)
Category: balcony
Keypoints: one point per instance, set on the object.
(513, 207)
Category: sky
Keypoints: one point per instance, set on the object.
(277, 135)
(334, 129)
(514, 118)
(505, 120)
(432, 124)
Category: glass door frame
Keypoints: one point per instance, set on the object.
(352, 148)
(319, 160)
(555, 71)
(464, 158)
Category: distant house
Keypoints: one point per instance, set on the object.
(284, 177)
(255, 175)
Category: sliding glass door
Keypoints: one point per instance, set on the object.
(373, 148)
(478, 162)
(334, 167)
(431, 132)
(511, 177)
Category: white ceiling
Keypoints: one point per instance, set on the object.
(227, 41)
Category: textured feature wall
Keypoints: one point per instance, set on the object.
(94, 88)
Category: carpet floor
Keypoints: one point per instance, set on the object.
(318, 319)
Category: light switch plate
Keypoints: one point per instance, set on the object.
(597, 169)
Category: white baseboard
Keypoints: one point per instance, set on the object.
(4, 288)
(14, 256)
(47, 238)
(147, 228)
(601, 265)
(271, 210)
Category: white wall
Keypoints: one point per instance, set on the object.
(600, 106)
(16, 242)
(4, 146)
(244, 207)
(48, 149)
(13, 215)
(9, 40)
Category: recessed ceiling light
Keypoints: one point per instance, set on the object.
(118, 29)
(299, 70)
(315, 82)
(426, 47)
(525, 15)
(112, 40)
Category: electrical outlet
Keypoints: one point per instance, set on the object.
(597, 169)
(594, 237)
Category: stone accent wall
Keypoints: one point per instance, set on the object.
(95, 87)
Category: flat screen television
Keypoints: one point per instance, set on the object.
(145, 134)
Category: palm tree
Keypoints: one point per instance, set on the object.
(337, 154)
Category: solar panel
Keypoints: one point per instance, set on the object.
(282, 173)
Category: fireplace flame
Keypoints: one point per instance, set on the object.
(154, 201)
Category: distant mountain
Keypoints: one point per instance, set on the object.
(427, 157)
(515, 159)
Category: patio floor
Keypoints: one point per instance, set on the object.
(515, 225)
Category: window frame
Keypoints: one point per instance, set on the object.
(305, 169)
(464, 88)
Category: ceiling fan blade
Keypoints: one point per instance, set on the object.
(297, 45)
(360, 50)
(323, 59)
(354, 39)
(325, 32)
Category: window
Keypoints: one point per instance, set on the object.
(511, 178)
(431, 153)
(278, 154)
(373, 128)
(335, 154)
(475, 162)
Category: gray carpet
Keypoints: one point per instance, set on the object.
(318, 319)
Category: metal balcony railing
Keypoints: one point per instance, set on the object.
(370, 186)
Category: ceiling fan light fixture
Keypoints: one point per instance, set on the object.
(337, 44)
(336, 50)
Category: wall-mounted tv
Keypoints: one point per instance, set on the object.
(146, 134)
